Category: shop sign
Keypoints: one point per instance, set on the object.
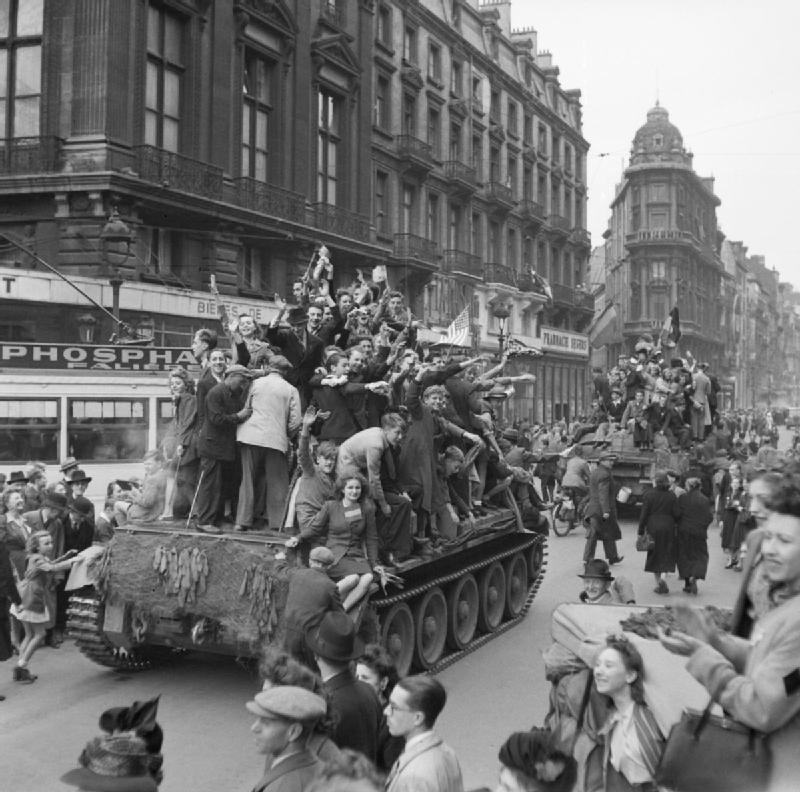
(78, 356)
(566, 343)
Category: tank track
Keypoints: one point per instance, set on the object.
(85, 624)
(452, 657)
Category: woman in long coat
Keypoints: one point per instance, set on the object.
(659, 517)
(694, 516)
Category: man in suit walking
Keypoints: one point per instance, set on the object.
(263, 441)
(286, 715)
(427, 763)
(601, 511)
(217, 447)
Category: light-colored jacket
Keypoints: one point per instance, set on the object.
(427, 766)
(276, 414)
(758, 683)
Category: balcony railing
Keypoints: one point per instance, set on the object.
(178, 172)
(531, 210)
(30, 155)
(270, 200)
(584, 301)
(558, 223)
(499, 273)
(414, 150)
(459, 262)
(328, 217)
(581, 237)
(658, 284)
(459, 172)
(500, 193)
(563, 294)
(661, 235)
(411, 246)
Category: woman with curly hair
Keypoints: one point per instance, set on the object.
(532, 762)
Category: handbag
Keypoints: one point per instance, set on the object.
(645, 542)
(708, 753)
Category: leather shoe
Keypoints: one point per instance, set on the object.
(617, 560)
(240, 528)
(209, 528)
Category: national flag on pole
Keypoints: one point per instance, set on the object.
(515, 347)
(458, 332)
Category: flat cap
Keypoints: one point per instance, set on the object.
(322, 555)
(288, 701)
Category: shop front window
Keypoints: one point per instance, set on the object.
(107, 429)
(29, 430)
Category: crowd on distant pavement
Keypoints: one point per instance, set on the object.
(371, 447)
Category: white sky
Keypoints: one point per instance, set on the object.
(726, 70)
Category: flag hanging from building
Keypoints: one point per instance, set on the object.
(515, 347)
(604, 329)
(541, 285)
(672, 327)
(458, 332)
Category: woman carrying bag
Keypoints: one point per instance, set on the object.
(757, 681)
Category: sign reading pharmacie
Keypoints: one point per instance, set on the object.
(566, 343)
(81, 356)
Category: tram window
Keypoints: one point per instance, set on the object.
(29, 430)
(107, 429)
(165, 409)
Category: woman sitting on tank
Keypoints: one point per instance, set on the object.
(347, 527)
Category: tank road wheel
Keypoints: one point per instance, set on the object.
(535, 561)
(397, 636)
(516, 585)
(463, 605)
(492, 595)
(85, 617)
(430, 627)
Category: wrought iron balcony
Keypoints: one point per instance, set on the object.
(459, 262)
(581, 237)
(462, 177)
(413, 248)
(584, 300)
(558, 224)
(660, 235)
(415, 153)
(500, 194)
(30, 155)
(178, 172)
(531, 210)
(270, 200)
(499, 273)
(563, 294)
(658, 284)
(328, 217)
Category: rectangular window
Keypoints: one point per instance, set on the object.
(477, 234)
(455, 224)
(409, 115)
(511, 248)
(542, 140)
(433, 223)
(512, 118)
(494, 106)
(541, 190)
(494, 164)
(556, 154)
(107, 429)
(164, 256)
(381, 202)
(477, 156)
(527, 130)
(568, 158)
(383, 32)
(21, 24)
(456, 78)
(256, 108)
(410, 44)
(477, 92)
(408, 210)
(434, 133)
(555, 199)
(658, 269)
(455, 142)
(329, 136)
(256, 271)
(494, 242)
(511, 175)
(29, 429)
(527, 183)
(435, 62)
(568, 204)
(382, 102)
(165, 72)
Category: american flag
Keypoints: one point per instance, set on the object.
(458, 332)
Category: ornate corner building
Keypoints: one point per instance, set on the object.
(663, 248)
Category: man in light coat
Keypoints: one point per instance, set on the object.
(700, 411)
(263, 441)
(427, 764)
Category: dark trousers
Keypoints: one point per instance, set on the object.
(609, 545)
(394, 531)
(185, 484)
(218, 483)
(264, 470)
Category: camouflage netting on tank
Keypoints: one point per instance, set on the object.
(171, 576)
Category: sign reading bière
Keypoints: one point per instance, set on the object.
(80, 356)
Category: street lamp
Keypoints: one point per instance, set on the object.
(501, 313)
(115, 232)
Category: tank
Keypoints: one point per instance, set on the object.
(157, 590)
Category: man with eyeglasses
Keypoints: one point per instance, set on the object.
(427, 763)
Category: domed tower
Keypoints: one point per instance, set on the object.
(664, 246)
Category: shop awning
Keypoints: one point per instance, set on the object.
(605, 329)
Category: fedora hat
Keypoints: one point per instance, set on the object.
(54, 500)
(297, 316)
(68, 464)
(82, 506)
(77, 476)
(335, 638)
(113, 763)
(597, 568)
(16, 477)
